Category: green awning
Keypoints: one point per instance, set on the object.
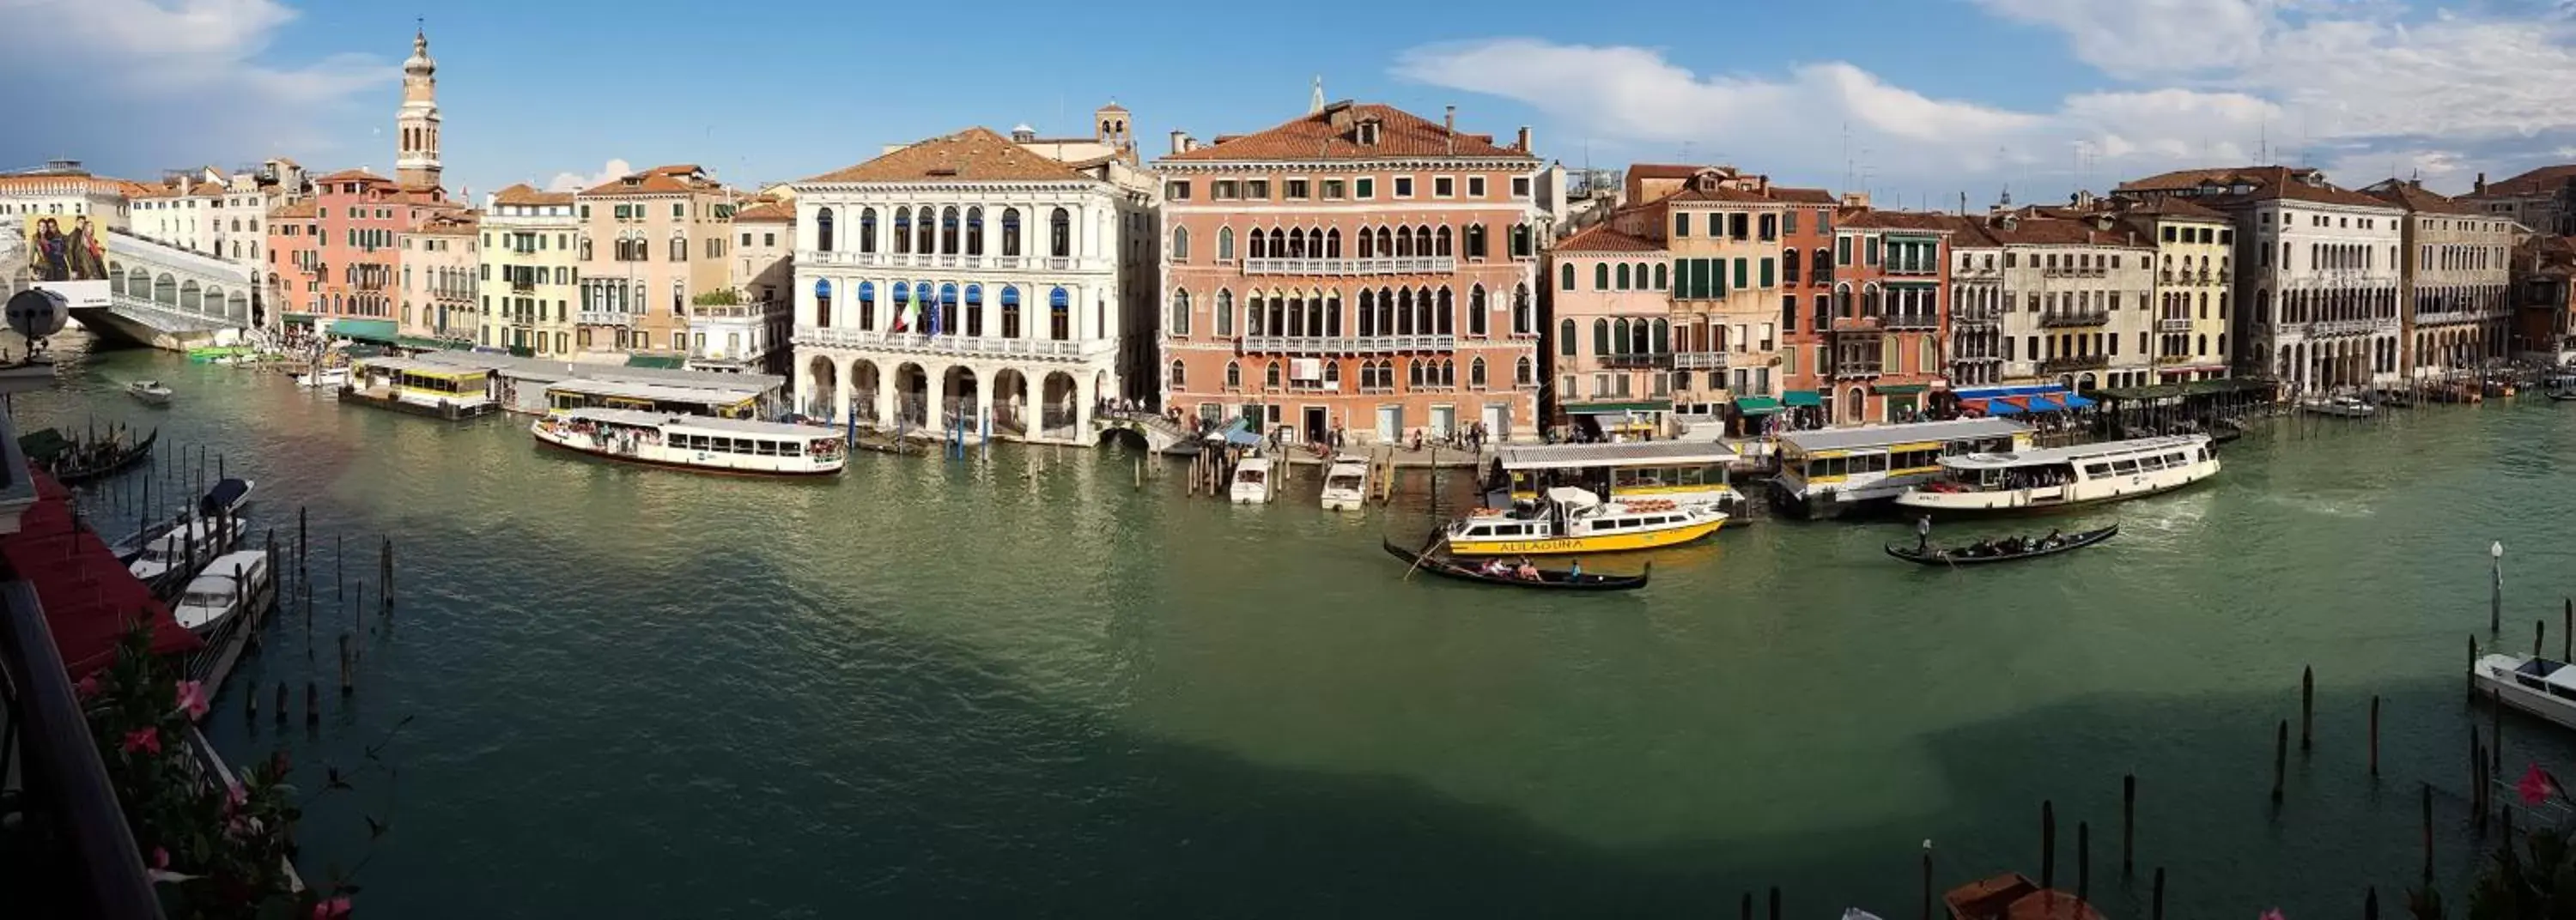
(379, 331)
(1756, 405)
(664, 362)
(1899, 389)
(1605, 408)
(419, 341)
(522, 351)
(298, 319)
(1801, 398)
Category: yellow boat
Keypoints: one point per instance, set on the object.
(1573, 521)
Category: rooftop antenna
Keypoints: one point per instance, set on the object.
(1847, 155)
(2263, 144)
(1315, 102)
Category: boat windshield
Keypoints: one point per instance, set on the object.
(1251, 477)
(1344, 481)
(2540, 667)
(206, 599)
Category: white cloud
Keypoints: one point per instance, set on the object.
(132, 86)
(2343, 83)
(574, 182)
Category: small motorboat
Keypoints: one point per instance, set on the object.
(1980, 554)
(2340, 407)
(231, 584)
(151, 392)
(1346, 484)
(1548, 579)
(1251, 483)
(226, 498)
(326, 378)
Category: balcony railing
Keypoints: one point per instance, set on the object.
(1821, 274)
(2170, 324)
(1857, 324)
(951, 344)
(606, 318)
(2067, 272)
(1346, 345)
(2447, 317)
(2074, 318)
(1913, 321)
(1638, 360)
(1853, 371)
(1699, 360)
(2170, 360)
(944, 260)
(1979, 319)
(2340, 327)
(2079, 363)
(1397, 265)
(1976, 359)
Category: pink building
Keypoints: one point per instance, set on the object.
(1614, 341)
(347, 258)
(1359, 269)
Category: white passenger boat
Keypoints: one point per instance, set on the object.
(717, 445)
(1251, 485)
(1570, 520)
(232, 583)
(323, 379)
(2063, 477)
(1346, 483)
(2539, 686)
(202, 538)
(2340, 407)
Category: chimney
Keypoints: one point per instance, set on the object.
(2482, 183)
(1523, 139)
(1180, 141)
(1449, 127)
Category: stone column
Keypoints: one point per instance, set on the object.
(884, 398)
(984, 384)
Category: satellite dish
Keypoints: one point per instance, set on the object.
(37, 313)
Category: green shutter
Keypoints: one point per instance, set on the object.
(1741, 264)
(1601, 276)
(1767, 273)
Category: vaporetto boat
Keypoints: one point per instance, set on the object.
(2063, 477)
(1570, 520)
(716, 445)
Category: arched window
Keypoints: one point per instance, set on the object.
(1333, 314)
(1010, 231)
(1257, 245)
(902, 230)
(1640, 338)
(1600, 337)
(1386, 243)
(1180, 321)
(1060, 233)
(1224, 312)
(1422, 241)
(1333, 376)
(1385, 311)
(1600, 276)
(1476, 310)
(975, 310)
(867, 305)
(1442, 317)
(1368, 244)
(1403, 244)
(679, 249)
(1333, 243)
(1234, 375)
(1524, 313)
(823, 230)
(1368, 311)
(1180, 244)
(975, 231)
(1663, 277)
(1413, 373)
(1623, 276)
(1521, 241)
(1225, 244)
(1179, 379)
(925, 230)
(1566, 279)
(1059, 314)
(1270, 375)
(1663, 342)
(1524, 373)
(1010, 312)
(948, 230)
(1474, 240)
(822, 303)
(1476, 373)
(1279, 241)
(1565, 340)
(1440, 241)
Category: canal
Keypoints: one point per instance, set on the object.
(1021, 685)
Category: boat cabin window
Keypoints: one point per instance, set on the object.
(2151, 463)
(2562, 693)
(2097, 470)
(1869, 463)
(2124, 467)
(1827, 467)
(1914, 459)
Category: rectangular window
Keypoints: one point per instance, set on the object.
(1404, 186)
(1789, 222)
(1520, 186)
(1364, 188)
(1766, 273)
(1770, 224)
(1681, 225)
(1256, 189)
(1293, 189)
(1740, 269)
(1869, 255)
(1716, 225)
(1738, 225)
(1222, 190)
(1842, 250)
(1334, 190)
(1444, 186)
(679, 210)
(1788, 312)
(1176, 190)
(1475, 186)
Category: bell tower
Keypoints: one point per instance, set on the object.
(416, 165)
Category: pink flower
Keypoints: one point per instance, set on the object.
(235, 798)
(2536, 786)
(87, 688)
(331, 909)
(143, 739)
(2273, 914)
(192, 697)
(160, 858)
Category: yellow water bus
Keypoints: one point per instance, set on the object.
(1682, 472)
(1567, 520)
(1831, 472)
(420, 388)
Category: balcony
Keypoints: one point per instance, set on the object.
(1853, 371)
(1977, 359)
(1857, 324)
(1638, 361)
(1820, 275)
(2083, 363)
(954, 345)
(1913, 321)
(2448, 317)
(919, 260)
(2172, 360)
(1398, 265)
(2344, 327)
(1699, 361)
(606, 318)
(1977, 320)
(2174, 325)
(2064, 272)
(523, 287)
(2062, 318)
(1345, 345)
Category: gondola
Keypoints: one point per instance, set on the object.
(1958, 555)
(2562, 395)
(1548, 579)
(72, 473)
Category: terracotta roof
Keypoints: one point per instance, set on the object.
(1893, 220)
(1600, 238)
(352, 175)
(457, 223)
(293, 209)
(2171, 206)
(525, 194)
(2543, 181)
(156, 191)
(766, 212)
(1333, 134)
(1969, 232)
(660, 180)
(2415, 198)
(2268, 182)
(2049, 231)
(972, 155)
(1721, 194)
(1803, 195)
(2549, 255)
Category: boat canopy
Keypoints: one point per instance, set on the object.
(698, 424)
(1574, 498)
(1590, 456)
(1890, 435)
(722, 397)
(2050, 456)
(225, 494)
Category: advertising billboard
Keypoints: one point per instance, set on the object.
(67, 254)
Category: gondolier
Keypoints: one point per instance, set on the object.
(1923, 534)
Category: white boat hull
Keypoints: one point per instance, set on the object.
(1343, 503)
(323, 379)
(2494, 676)
(707, 461)
(2081, 492)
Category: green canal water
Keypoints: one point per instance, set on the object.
(1018, 685)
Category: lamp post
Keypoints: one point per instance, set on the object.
(2495, 593)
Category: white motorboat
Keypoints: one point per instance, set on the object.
(1346, 483)
(716, 445)
(150, 392)
(174, 549)
(1251, 485)
(2063, 477)
(2340, 407)
(232, 583)
(326, 378)
(2539, 686)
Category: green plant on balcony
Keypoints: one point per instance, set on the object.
(724, 298)
(214, 849)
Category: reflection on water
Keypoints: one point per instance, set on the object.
(1021, 684)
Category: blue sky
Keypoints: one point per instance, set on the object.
(1914, 102)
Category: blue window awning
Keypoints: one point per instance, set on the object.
(867, 290)
(823, 288)
(2045, 403)
(902, 292)
(1010, 297)
(1059, 299)
(2073, 401)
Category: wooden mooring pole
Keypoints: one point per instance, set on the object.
(2307, 708)
(2047, 844)
(2374, 736)
(281, 702)
(2495, 588)
(2128, 823)
(2428, 833)
(2370, 904)
(1775, 902)
(2156, 900)
(1927, 879)
(2280, 759)
(2083, 861)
